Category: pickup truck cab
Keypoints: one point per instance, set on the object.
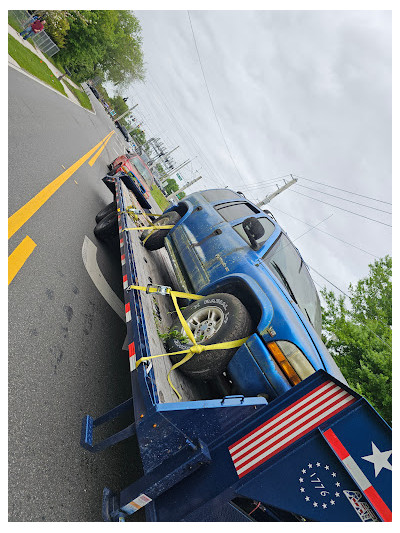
(256, 285)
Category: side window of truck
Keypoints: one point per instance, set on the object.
(236, 210)
(268, 226)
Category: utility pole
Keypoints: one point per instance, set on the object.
(165, 155)
(126, 112)
(183, 188)
(176, 169)
(269, 197)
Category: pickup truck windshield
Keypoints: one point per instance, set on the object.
(144, 171)
(287, 265)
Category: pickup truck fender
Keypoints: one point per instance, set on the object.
(249, 292)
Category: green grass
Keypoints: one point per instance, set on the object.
(32, 64)
(13, 22)
(159, 198)
(80, 95)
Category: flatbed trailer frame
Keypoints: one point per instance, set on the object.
(308, 455)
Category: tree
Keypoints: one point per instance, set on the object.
(171, 186)
(118, 105)
(103, 42)
(359, 336)
(57, 25)
(161, 170)
(139, 136)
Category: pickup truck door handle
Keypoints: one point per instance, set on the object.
(218, 231)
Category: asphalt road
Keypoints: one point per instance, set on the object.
(65, 357)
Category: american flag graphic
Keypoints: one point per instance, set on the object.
(287, 426)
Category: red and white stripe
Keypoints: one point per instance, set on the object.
(123, 260)
(128, 312)
(125, 281)
(121, 243)
(132, 356)
(358, 475)
(289, 425)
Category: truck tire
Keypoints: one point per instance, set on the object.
(156, 239)
(106, 210)
(107, 227)
(221, 317)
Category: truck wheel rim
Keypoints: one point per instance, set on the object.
(205, 322)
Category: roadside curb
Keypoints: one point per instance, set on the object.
(13, 64)
(50, 65)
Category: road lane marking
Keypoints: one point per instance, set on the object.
(18, 219)
(18, 257)
(94, 158)
(89, 252)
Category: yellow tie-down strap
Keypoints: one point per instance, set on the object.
(153, 228)
(196, 348)
(134, 214)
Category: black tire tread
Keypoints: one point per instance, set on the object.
(107, 227)
(106, 210)
(208, 365)
(156, 239)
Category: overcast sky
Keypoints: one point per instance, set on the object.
(294, 92)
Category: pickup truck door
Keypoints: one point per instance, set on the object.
(217, 242)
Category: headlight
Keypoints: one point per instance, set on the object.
(291, 360)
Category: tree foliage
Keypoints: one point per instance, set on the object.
(359, 336)
(98, 42)
(171, 186)
(139, 136)
(118, 105)
(161, 170)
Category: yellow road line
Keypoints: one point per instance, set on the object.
(94, 158)
(18, 257)
(23, 214)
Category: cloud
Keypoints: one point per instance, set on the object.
(307, 92)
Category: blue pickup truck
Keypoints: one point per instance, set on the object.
(255, 284)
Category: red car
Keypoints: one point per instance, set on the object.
(139, 169)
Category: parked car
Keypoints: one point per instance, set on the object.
(125, 133)
(123, 130)
(257, 285)
(132, 163)
(94, 91)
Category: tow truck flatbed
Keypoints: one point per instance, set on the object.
(318, 452)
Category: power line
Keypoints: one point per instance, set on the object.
(185, 132)
(212, 103)
(330, 234)
(261, 183)
(312, 227)
(344, 199)
(253, 186)
(341, 208)
(343, 190)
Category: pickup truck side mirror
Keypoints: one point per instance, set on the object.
(254, 230)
